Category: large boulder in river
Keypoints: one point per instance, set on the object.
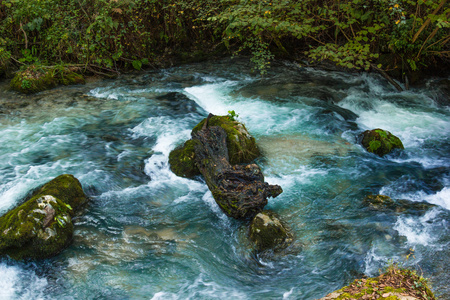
(380, 142)
(267, 232)
(42, 226)
(241, 146)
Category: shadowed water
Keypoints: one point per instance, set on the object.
(149, 234)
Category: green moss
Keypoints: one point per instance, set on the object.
(42, 226)
(35, 79)
(67, 188)
(23, 235)
(389, 285)
(181, 160)
(71, 78)
(380, 142)
(241, 145)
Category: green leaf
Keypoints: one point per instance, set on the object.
(137, 64)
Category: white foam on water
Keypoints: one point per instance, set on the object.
(169, 133)
(412, 125)
(418, 230)
(16, 283)
(209, 200)
(374, 261)
(287, 295)
(211, 97)
(201, 289)
(441, 198)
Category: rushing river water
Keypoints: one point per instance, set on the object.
(148, 234)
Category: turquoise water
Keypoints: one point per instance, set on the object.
(148, 234)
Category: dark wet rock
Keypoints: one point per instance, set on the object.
(383, 202)
(220, 150)
(268, 232)
(239, 190)
(42, 226)
(178, 102)
(380, 142)
(241, 146)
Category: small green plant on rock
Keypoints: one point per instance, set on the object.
(232, 115)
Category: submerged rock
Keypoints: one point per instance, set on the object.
(268, 232)
(395, 283)
(382, 202)
(241, 145)
(35, 79)
(42, 226)
(380, 142)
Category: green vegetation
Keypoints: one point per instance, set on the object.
(395, 283)
(380, 142)
(107, 36)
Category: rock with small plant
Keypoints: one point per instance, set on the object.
(380, 142)
(241, 146)
(42, 226)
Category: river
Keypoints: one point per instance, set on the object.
(148, 234)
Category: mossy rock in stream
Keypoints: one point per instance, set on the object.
(380, 142)
(42, 226)
(181, 160)
(383, 202)
(241, 146)
(396, 283)
(267, 232)
(36, 79)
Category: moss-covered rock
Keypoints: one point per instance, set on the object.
(382, 202)
(42, 226)
(268, 232)
(35, 79)
(394, 284)
(181, 160)
(67, 188)
(241, 146)
(380, 142)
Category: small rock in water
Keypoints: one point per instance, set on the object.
(267, 232)
(380, 142)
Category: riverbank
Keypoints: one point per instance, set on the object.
(402, 38)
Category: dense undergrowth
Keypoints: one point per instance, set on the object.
(107, 36)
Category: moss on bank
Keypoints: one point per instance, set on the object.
(35, 79)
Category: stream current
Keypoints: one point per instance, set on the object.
(148, 234)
